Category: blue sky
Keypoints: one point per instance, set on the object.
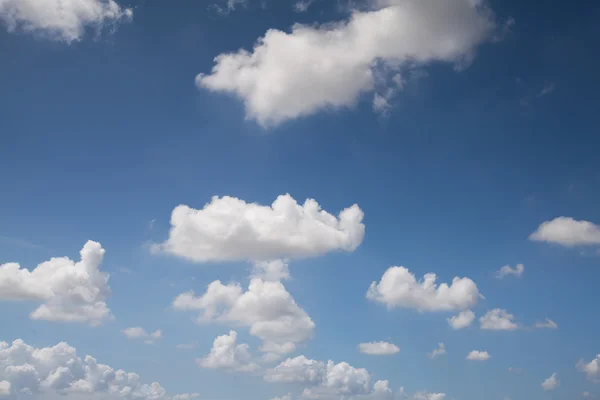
(462, 138)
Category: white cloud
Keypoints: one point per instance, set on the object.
(549, 324)
(60, 20)
(140, 333)
(227, 354)
(477, 355)
(568, 232)
(58, 370)
(429, 396)
(326, 379)
(378, 348)
(507, 270)
(229, 229)
(303, 5)
(462, 320)
(498, 320)
(591, 369)
(70, 291)
(399, 288)
(439, 351)
(5, 388)
(284, 397)
(289, 75)
(274, 270)
(267, 308)
(551, 383)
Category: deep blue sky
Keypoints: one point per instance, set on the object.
(102, 136)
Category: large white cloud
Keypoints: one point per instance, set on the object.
(70, 291)
(399, 288)
(314, 67)
(59, 370)
(498, 320)
(227, 354)
(326, 380)
(267, 308)
(61, 20)
(568, 232)
(378, 348)
(591, 369)
(229, 229)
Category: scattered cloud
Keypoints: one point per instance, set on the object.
(227, 6)
(462, 320)
(58, 370)
(378, 348)
(428, 396)
(284, 397)
(568, 232)
(477, 355)
(229, 229)
(508, 270)
(591, 369)
(64, 21)
(399, 288)
(228, 355)
(549, 324)
(329, 66)
(140, 333)
(551, 383)
(439, 351)
(548, 88)
(498, 320)
(267, 308)
(70, 291)
(303, 5)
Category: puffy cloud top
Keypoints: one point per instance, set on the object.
(568, 232)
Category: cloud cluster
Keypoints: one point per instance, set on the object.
(70, 291)
(227, 354)
(315, 67)
(567, 232)
(498, 320)
(28, 370)
(140, 333)
(267, 308)
(378, 348)
(229, 229)
(399, 288)
(60, 20)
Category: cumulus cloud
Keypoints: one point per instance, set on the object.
(64, 21)
(267, 308)
(462, 320)
(508, 270)
(399, 288)
(498, 320)
(70, 291)
(567, 232)
(378, 348)
(551, 383)
(228, 355)
(59, 370)
(326, 379)
(439, 351)
(477, 355)
(229, 229)
(140, 333)
(329, 66)
(548, 324)
(591, 369)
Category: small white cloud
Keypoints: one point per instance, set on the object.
(591, 369)
(498, 320)
(462, 320)
(378, 348)
(507, 270)
(70, 291)
(59, 20)
(229, 229)
(399, 288)
(548, 324)
(551, 383)
(567, 232)
(284, 397)
(228, 355)
(477, 355)
(140, 333)
(5, 388)
(439, 351)
(428, 396)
